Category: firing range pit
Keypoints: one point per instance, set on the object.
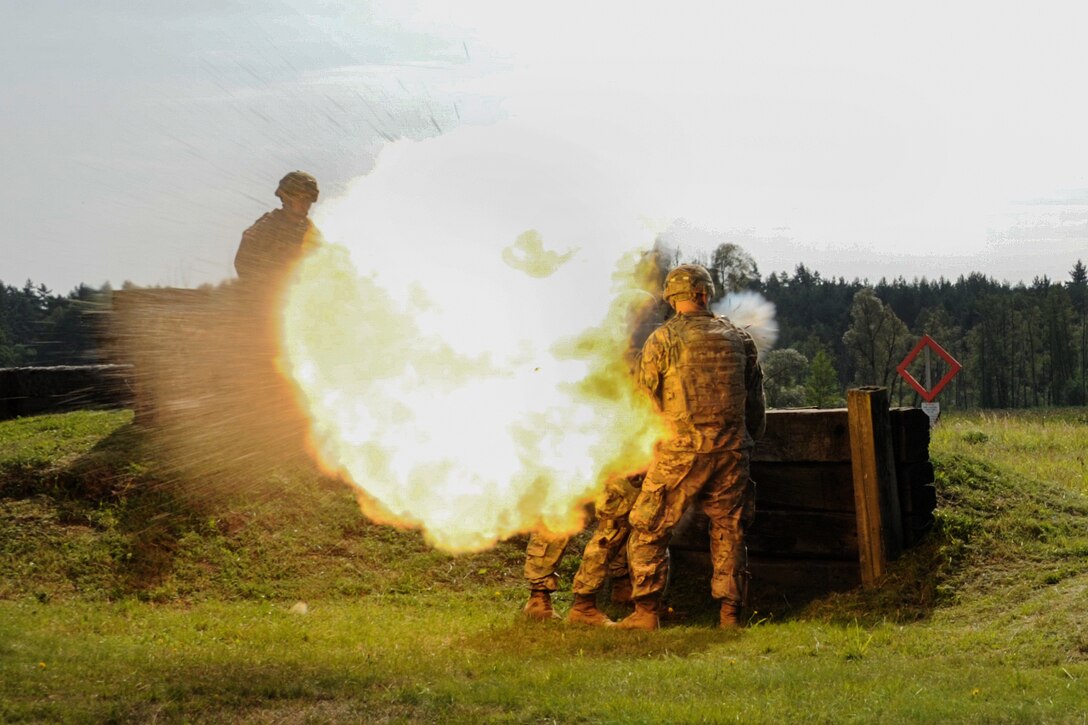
(804, 541)
(811, 535)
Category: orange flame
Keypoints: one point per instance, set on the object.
(470, 444)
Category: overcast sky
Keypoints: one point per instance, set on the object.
(861, 139)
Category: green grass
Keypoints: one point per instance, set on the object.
(1045, 444)
(129, 593)
(424, 658)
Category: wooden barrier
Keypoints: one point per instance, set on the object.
(28, 391)
(154, 331)
(808, 535)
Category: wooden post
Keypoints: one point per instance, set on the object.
(876, 493)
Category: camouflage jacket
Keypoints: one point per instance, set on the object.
(703, 374)
(272, 245)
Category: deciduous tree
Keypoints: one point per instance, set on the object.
(783, 373)
(876, 341)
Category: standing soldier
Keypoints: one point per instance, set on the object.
(605, 554)
(279, 238)
(542, 556)
(604, 557)
(702, 373)
(269, 250)
(266, 256)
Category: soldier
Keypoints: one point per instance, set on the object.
(542, 556)
(604, 557)
(605, 554)
(279, 238)
(703, 374)
(268, 252)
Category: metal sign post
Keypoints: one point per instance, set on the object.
(929, 391)
(933, 410)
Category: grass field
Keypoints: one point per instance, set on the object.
(130, 595)
(1042, 444)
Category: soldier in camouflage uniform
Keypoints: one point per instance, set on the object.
(703, 374)
(605, 555)
(268, 252)
(279, 238)
(265, 259)
(542, 556)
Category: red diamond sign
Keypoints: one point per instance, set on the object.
(953, 368)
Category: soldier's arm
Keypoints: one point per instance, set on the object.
(248, 261)
(755, 404)
(652, 363)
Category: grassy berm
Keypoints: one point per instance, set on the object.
(132, 592)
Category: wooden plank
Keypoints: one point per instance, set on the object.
(804, 435)
(799, 580)
(910, 435)
(876, 495)
(775, 578)
(794, 534)
(804, 534)
(919, 500)
(915, 527)
(816, 486)
(911, 475)
(33, 391)
(156, 330)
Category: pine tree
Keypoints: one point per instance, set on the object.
(1078, 294)
(822, 387)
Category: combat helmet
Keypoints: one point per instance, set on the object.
(686, 281)
(298, 184)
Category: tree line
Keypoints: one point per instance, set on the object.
(41, 328)
(1023, 345)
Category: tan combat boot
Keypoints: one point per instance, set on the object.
(539, 606)
(645, 615)
(621, 590)
(728, 617)
(585, 611)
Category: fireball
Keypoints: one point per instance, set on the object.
(460, 346)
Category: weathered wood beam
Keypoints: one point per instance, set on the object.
(800, 535)
(818, 436)
(809, 486)
(876, 493)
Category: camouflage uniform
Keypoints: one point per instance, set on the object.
(269, 250)
(605, 555)
(542, 557)
(278, 239)
(703, 374)
(272, 245)
(266, 256)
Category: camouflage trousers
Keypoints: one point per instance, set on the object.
(720, 481)
(605, 554)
